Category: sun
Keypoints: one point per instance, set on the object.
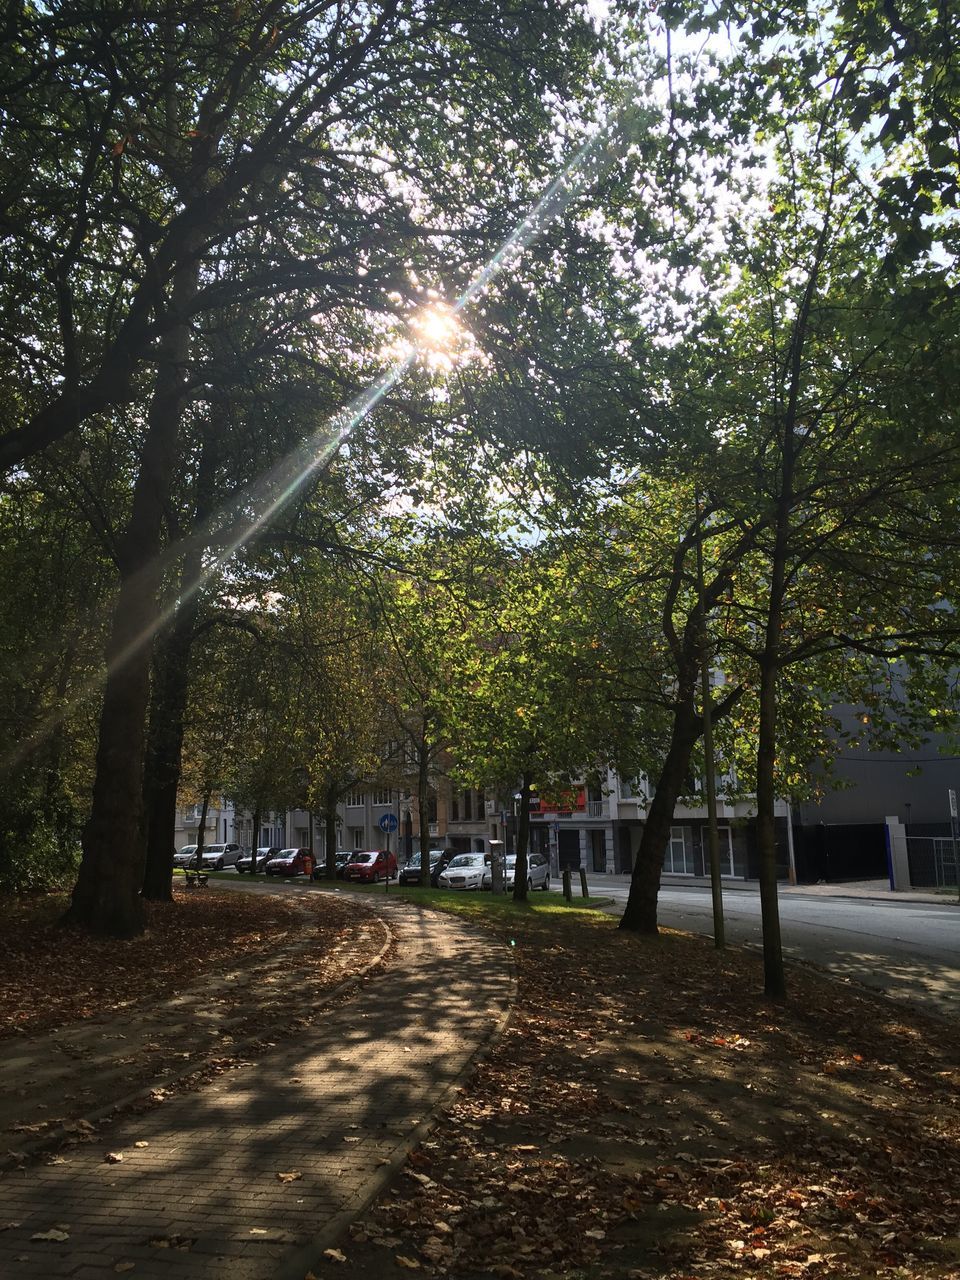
(438, 335)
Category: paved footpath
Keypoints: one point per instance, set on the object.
(253, 1175)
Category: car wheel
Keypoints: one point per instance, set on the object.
(376, 877)
(241, 871)
(219, 865)
(529, 885)
(546, 885)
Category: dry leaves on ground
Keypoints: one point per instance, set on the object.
(647, 1115)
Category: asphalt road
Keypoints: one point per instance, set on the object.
(909, 950)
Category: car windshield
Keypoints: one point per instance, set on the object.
(287, 853)
(511, 861)
(265, 849)
(214, 848)
(467, 860)
(189, 848)
(363, 857)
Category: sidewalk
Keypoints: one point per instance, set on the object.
(253, 1175)
(876, 889)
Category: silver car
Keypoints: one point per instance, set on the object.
(218, 856)
(186, 857)
(467, 871)
(538, 871)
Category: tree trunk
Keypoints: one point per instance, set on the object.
(520, 871)
(107, 896)
(640, 915)
(330, 829)
(202, 829)
(774, 980)
(255, 834)
(423, 784)
(169, 703)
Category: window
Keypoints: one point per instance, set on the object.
(678, 860)
(467, 806)
(354, 800)
(356, 837)
(454, 807)
(383, 797)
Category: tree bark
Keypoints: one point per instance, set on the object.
(107, 896)
(330, 829)
(255, 834)
(640, 915)
(423, 784)
(169, 703)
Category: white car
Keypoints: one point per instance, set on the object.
(218, 856)
(538, 871)
(467, 871)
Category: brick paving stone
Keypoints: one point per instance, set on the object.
(202, 1200)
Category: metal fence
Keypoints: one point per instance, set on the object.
(933, 861)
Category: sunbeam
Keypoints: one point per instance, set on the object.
(266, 496)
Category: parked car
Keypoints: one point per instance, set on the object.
(437, 868)
(371, 866)
(538, 871)
(218, 856)
(410, 874)
(341, 858)
(291, 862)
(186, 857)
(245, 861)
(467, 871)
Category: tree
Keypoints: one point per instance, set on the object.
(237, 175)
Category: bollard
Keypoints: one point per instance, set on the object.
(567, 889)
(583, 883)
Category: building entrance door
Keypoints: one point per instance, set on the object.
(726, 851)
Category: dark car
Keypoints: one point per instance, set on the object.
(263, 857)
(411, 873)
(291, 862)
(341, 858)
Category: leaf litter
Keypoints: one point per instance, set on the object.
(648, 1116)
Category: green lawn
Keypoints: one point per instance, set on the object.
(457, 902)
(475, 904)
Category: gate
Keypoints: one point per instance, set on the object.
(833, 852)
(932, 861)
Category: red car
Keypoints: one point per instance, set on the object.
(291, 862)
(372, 867)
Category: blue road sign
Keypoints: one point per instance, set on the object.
(388, 822)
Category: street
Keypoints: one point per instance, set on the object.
(910, 950)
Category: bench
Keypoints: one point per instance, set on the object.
(195, 879)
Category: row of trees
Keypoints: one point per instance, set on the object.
(710, 412)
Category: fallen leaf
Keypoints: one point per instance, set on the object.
(411, 1263)
(334, 1255)
(141, 1144)
(120, 1267)
(293, 1176)
(52, 1234)
(113, 1157)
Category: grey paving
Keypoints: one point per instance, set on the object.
(198, 1191)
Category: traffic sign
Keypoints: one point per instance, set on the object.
(388, 822)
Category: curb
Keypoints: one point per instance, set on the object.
(296, 1266)
(56, 1138)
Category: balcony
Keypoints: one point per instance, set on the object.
(594, 808)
